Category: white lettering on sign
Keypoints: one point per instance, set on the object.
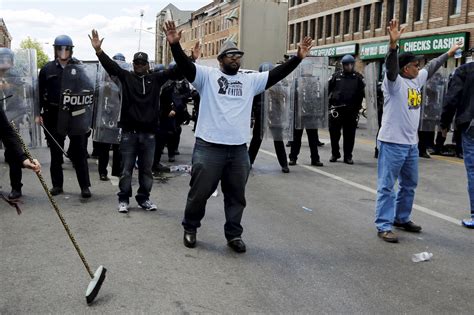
(78, 100)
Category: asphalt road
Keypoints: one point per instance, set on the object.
(311, 244)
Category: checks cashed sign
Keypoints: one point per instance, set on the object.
(431, 44)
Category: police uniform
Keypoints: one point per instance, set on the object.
(346, 91)
(50, 97)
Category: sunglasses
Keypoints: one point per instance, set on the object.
(140, 63)
(233, 55)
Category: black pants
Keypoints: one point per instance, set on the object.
(313, 139)
(214, 163)
(163, 138)
(257, 141)
(346, 121)
(102, 151)
(15, 169)
(78, 156)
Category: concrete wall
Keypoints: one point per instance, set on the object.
(263, 27)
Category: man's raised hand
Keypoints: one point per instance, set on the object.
(172, 35)
(95, 41)
(196, 51)
(304, 47)
(394, 32)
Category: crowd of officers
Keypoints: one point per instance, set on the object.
(154, 107)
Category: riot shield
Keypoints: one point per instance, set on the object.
(309, 94)
(432, 100)
(370, 75)
(108, 107)
(277, 111)
(20, 81)
(77, 99)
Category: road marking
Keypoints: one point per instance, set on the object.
(371, 190)
(448, 159)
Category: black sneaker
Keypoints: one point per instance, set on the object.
(85, 192)
(237, 245)
(292, 162)
(56, 191)
(409, 226)
(148, 205)
(320, 144)
(349, 161)
(104, 177)
(334, 158)
(317, 163)
(285, 169)
(15, 194)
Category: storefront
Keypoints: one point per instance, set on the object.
(334, 53)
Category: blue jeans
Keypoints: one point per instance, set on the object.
(133, 145)
(468, 149)
(396, 161)
(212, 163)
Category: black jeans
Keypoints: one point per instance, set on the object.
(347, 121)
(132, 145)
(313, 140)
(212, 163)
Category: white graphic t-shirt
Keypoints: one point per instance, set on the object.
(401, 109)
(226, 104)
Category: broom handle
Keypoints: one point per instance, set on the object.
(54, 204)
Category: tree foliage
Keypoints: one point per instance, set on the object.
(41, 55)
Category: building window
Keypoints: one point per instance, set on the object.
(347, 21)
(454, 7)
(337, 24)
(403, 11)
(356, 20)
(320, 27)
(291, 38)
(298, 33)
(312, 28)
(378, 14)
(305, 28)
(367, 20)
(419, 4)
(390, 10)
(329, 26)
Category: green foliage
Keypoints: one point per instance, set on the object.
(41, 55)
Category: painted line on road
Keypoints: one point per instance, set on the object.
(371, 190)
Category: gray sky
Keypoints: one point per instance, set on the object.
(116, 21)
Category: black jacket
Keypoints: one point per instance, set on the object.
(140, 95)
(346, 89)
(9, 138)
(459, 100)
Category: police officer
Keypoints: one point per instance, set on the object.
(346, 91)
(50, 96)
(9, 86)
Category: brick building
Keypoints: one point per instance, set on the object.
(258, 27)
(170, 12)
(5, 37)
(360, 27)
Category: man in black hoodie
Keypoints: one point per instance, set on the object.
(139, 120)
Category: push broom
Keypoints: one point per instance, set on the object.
(99, 276)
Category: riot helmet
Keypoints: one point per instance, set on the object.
(7, 58)
(63, 47)
(348, 62)
(119, 57)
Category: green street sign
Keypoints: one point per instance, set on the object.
(432, 44)
(334, 51)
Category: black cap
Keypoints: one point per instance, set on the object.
(140, 56)
(406, 57)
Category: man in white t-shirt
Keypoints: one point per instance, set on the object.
(397, 139)
(222, 131)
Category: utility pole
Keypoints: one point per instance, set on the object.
(140, 30)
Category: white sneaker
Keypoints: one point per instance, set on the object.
(148, 205)
(123, 207)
